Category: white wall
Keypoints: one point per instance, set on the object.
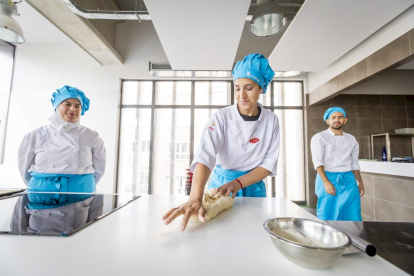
(41, 68)
(397, 27)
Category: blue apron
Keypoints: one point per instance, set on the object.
(221, 176)
(346, 205)
(58, 183)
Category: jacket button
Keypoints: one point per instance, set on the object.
(75, 164)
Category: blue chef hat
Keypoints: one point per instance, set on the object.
(333, 110)
(67, 92)
(255, 67)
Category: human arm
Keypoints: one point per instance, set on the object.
(318, 153)
(99, 159)
(26, 158)
(194, 204)
(359, 181)
(246, 180)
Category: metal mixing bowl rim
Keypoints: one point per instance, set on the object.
(349, 243)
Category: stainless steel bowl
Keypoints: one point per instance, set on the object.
(306, 242)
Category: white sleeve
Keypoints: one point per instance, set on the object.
(272, 155)
(26, 158)
(99, 159)
(212, 140)
(317, 150)
(354, 158)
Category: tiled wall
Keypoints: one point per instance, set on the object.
(387, 198)
(367, 114)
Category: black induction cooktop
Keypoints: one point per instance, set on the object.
(56, 214)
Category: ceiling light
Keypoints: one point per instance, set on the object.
(268, 19)
(10, 30)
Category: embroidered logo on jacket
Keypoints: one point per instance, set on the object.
(254, 140)
(210, 125)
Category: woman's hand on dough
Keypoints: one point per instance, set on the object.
(228, 188)
(192, 207)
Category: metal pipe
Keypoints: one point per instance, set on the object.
(358, 242)
(102, 14)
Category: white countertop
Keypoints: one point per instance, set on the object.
(392, 168)
(134, 241)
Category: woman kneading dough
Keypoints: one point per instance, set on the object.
(240, 144)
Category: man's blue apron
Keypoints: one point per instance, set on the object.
(346, 205)
(221, 176)
(58, 183)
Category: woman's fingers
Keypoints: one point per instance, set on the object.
(185, 220)
(201, 214)
(174, 215)
(169, 213)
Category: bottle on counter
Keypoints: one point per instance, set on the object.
(384, 154)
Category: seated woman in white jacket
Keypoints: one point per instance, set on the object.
(240, 143)
(63, 156)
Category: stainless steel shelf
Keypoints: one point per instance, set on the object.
(388, 143)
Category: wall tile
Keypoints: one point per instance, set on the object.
(367, 218)
(401, 150)
(317, 111)
(410, 123)
(394, 190)
(310, 134)
(316, 124)
(409, 100)
(393, 112)
(313, 199)
(365, 133)
(351, 124)
(368, 100)
(388, 125)
(370, 124)
(367, 180)
(410, 112)
(364, 150)
(311, 186)
(392, 212)
(367, 206)
(364, 156)
(353, 132)
(343, 100)
(364, 112)
(392, 100)
(351, 112)
(312, 174)
(400, 140)
(393, 177)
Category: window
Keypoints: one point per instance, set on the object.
(165, 119)
(183, 150)
(6, 69)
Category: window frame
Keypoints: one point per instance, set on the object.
(3, 126)
(153, 107)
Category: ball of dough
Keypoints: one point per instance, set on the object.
(213, 204)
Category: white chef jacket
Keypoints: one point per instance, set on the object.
(234, 144)
(336, 153)
(48, 150)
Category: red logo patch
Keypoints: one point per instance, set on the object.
(254, 140)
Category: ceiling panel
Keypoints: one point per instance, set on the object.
(199, 35)
(324, 30)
